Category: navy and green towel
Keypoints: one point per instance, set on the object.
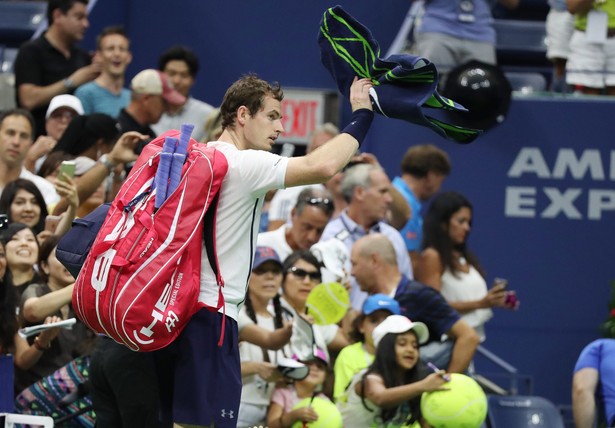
(403, 84)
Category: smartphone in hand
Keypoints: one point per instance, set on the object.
(51, 223)
(502, 283)
(67, 169)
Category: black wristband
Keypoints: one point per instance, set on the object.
(359, 124)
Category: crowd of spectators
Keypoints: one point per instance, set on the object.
(412, 284)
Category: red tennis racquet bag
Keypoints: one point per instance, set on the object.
(140, 282)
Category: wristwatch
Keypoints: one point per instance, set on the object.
(69, 84)
(104, 159)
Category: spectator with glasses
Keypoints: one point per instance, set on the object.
(367, 189)
(60, 113)
(301, 273)
(309, 216)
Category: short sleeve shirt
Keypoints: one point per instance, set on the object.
(412, 231)
(251, 174)
(41, 64)
(422, 303)
(600, 355)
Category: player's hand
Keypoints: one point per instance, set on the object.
(359, 94)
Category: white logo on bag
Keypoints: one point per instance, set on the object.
(100, 272)
(102, 264)
(158, 316)
(224, 413)
(172, 318)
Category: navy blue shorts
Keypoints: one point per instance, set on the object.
(200, 382)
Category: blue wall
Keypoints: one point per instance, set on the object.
(274, 38)
(559, 266)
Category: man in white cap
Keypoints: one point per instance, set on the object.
(152, 95)
(62, 109)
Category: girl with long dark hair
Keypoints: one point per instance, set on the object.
(388, 392)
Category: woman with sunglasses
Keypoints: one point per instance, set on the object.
(301, 273)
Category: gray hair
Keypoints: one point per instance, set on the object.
(357, 176)
(325, 128)
(311, 193)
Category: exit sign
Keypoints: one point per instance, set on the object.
(305, 109)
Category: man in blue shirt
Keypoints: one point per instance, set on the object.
(593, 384)
(107, 94)
(423, 169)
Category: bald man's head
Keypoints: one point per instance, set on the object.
(377, 243)
(371, 257)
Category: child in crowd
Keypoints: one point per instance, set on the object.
(358, 356)
(281, 413)
(388, 393)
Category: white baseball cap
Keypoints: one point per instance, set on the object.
(400, 324)
(64, 100)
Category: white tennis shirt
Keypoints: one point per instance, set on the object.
(251, 174)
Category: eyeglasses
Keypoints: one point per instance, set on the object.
(302, 274)
(325, 203)
(63, 114)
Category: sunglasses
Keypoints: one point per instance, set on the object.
(4, 221)
(262, 270)
(322, 202)
(302, 274)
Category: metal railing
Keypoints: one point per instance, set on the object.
(517, 383)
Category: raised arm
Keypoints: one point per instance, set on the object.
(122, 152)
(323, 163)
(32, 96)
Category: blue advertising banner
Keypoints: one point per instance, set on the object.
(543, 189)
